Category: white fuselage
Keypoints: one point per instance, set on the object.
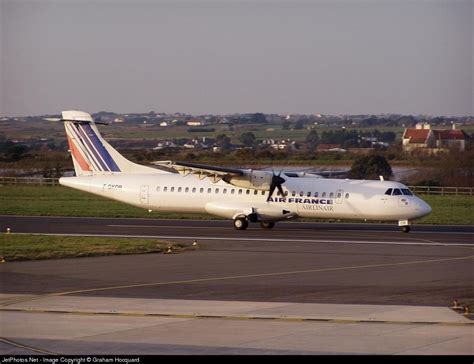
(307, 197)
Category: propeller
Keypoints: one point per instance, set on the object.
(277, 181)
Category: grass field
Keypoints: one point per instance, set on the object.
(14, 247)
(62, 201)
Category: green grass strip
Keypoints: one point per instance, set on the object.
(15, 247)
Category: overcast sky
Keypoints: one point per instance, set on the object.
(330, 57)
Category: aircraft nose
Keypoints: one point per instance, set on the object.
(424, 208)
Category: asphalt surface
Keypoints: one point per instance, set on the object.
(295, 262)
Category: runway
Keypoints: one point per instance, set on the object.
(295, 263)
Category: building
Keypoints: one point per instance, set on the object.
(195, 122)
(433, 140)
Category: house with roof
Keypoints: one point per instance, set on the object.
(433, 140)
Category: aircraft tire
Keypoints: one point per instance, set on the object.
(406, 229)
(241, 223)
(267, 224)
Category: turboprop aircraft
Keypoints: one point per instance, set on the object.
(243, 195)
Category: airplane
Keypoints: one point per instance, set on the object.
(242, 195)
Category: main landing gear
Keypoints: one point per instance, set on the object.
(267, 224)
(242, 223)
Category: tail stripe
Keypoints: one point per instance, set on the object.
(78, 150)
(104, 154)
(78, 156)
(81, 143)
(90, 148)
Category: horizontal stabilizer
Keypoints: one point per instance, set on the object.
(75, 115)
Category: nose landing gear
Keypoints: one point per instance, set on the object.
(406, 229)
(404, 225)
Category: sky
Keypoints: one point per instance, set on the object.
(237, 56)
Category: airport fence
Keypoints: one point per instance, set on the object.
(420, 190)
(41, 181)
(440, 190)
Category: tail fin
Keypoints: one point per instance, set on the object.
(91, 154)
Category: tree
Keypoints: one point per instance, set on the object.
(247, 139)
(223, 141)
(299, 125)
(259, 118)
(312, 138)
(370, 167)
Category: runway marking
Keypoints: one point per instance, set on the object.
(27, 347)
(238, 317)
(257, 275)
(243, 238)
(288, 229)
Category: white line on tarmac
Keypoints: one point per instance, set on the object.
(244, 238)
(332, 230)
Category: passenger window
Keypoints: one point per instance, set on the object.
(316, 194)
(388, 192)
(232, 191)
(217, 190)
(397, 192)
(331, 195)
(255, 192)
(407, 192)
(324, 194)
(263, 193)
(194, 189)
(179, 189)
(247, 192)
(165, 189)
(308, 194)
(301, 193)
(339, 195)
(201, 190)
(293, 193)
(157, 188)
(286, 193)
(224, 190)
(347, 195)
(209, 190)
(172, 189)
(240, 192)
(186, 190)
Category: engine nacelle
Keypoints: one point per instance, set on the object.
(258, 180)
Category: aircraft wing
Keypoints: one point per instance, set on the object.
(202, 170)
(246, 178)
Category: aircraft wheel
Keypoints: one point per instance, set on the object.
(406, 229)
(267, 224)
(241, 223)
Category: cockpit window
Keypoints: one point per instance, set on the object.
(389, 192)
(407, 192)
(396, 192)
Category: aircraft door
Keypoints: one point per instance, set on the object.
(339, 196)
(144, 194)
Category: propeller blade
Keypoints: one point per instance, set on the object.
(272, 188)
(280, 189)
